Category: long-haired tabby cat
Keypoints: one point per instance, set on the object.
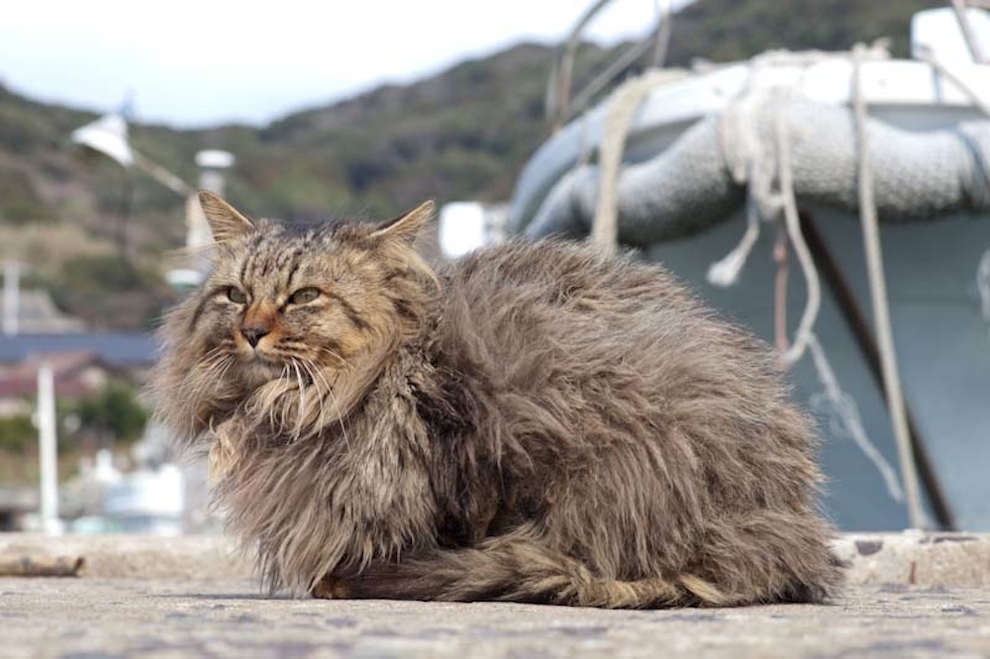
(533, 423)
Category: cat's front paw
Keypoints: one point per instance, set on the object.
(330, 588)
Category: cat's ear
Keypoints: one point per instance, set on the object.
(226, 222)
(408, 225)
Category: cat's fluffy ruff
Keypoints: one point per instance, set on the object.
(533, 423)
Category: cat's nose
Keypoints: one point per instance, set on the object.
(253, 333)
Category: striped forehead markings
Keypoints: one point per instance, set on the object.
(260, 263)
(247, 265)
(296, 262)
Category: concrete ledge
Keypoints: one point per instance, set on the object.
(197, 557)
(917, 558)
(911, 558)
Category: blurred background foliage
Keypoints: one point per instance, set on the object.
(110, 417)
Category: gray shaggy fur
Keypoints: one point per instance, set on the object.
(534, 423)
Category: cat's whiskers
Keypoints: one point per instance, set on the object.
(213, 368)
(211, 354)
(271, 397)
(228, 361)
(325, 390)
(340, 417)
(210, 361)
(287, 398)
(314, 372)
(306, 368)
(301, 403)
(343, 362)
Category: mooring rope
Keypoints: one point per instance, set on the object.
(622, 108)
(843, 416)
(768, 175)
(881, 309)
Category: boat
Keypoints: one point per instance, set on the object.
(836, 203)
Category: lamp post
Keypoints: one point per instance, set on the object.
(108, 135)
(11, 297)
(212, 164)
(47, 451)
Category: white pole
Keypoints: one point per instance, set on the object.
(11, 296)
(47, 451)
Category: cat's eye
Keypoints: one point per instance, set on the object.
(304, 295)
(236, 295)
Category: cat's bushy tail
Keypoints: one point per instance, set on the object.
(514, 568)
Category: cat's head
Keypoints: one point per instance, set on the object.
(290, 310)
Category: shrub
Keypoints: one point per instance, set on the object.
(112, 412)
(16, 433)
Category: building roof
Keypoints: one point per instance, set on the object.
(68, 368)
(122, 349)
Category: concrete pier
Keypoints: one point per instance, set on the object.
(910, 595)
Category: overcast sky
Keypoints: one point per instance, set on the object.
(202, 62)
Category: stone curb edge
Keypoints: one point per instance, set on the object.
(909, 558)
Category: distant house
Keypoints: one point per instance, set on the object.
(81, 363)
(75, 374)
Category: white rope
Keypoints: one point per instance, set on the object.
(763, 199)
(881, 311)
(793, 224)
(725, 272)
(844, 419)
(759, 168)
(762, 166)
(753, 163)
(741, 149)
(623, 105)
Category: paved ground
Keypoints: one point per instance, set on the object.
(911, 595)
(89, 618)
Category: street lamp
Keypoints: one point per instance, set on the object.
(108, 135)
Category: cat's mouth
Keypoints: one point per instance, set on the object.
(257, 368)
